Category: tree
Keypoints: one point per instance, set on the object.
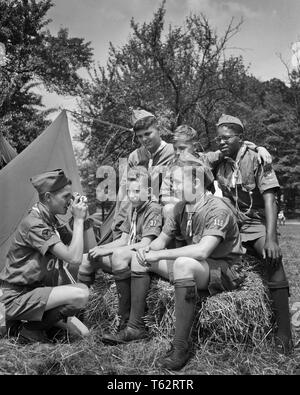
(34, 56)
(179, 74)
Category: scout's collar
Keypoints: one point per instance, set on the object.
(141, 208)
(44, 213)
(161, 146)
(235, 164)
(191, 209)
(152, 155)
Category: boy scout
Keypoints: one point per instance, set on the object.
(207, 262)
(251, 188)
(32, 300)
(152, 154)
(142, 225)
(186, 140)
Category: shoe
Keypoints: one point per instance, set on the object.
(284, 345)
(124, 336)
(32, 336)
(13, 328)
(161, 359)
(122, 324)
(176, 359)
(74, 327)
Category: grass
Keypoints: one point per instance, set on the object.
(90, 356)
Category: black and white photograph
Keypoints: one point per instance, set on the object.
(149, 190)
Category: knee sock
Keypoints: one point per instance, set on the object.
(50, 318)
(140, 283)
(185, 302)
(123, 284)
(280, 308)
(86, 276)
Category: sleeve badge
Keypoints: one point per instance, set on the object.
(46, 233)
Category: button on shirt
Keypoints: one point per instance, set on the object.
(213, 218)
(29, 262)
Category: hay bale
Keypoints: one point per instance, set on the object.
(102, 308)
(240, 316)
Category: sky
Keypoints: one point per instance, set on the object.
(269, 29)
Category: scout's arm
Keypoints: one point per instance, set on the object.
(73, 252)
(271, 250)
(157, 244)
(200, 251)
(108, 249)
(146, 241)
(264, 155)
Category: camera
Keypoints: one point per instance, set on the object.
(82, 199)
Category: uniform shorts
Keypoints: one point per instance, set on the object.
(23, 303)
(252, 230)
(223, 276)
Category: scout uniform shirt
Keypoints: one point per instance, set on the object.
(244, 181)
(144, 221)
(28, 262)
(211, 217)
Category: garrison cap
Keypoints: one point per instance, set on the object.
(138, 114)
(50, 181)
(229, 119)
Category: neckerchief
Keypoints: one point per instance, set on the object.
(191, 210)
(133, 223)
(161, 146)
(236, 178)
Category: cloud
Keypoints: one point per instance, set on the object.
(222, 9)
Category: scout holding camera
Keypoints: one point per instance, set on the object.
(33, 303)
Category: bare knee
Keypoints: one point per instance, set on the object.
(183, 269)
(80, 295)
(120, 259)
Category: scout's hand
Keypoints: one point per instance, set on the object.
(152, 256)
(264, 156)
(97, 252)
(272, 253)
(140, 256)
(79, 208)
(145, 257)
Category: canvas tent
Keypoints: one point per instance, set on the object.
(50, 150)
(7, 152)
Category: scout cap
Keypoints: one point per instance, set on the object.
(138, 115)
(50, 181)
(229, 119)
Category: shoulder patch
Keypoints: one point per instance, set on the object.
(46, 233)
(267, 169)
(218, 222)
(153, 222)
